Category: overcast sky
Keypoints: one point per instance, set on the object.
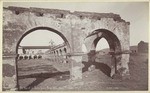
(135, 13)
(33, 39)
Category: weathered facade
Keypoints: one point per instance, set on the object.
(143, 47)
(75, 28)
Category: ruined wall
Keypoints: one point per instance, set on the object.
(143, 47)
(74, 26)
(15, 25)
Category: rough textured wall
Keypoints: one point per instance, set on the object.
(9, 74)
(74, 26)
(143, 47)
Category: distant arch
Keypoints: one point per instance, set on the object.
(60, 51)
(65, 50)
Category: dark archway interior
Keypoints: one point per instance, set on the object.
(114, 46)
(111, 38)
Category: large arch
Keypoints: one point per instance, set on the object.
(92, 40)
(30, 31)
(43, 28)
(111, 38)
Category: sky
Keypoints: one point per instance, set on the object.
(134, 12)
(33, 39)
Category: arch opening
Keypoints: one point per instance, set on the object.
(102, 44)
(42, 28)
(31, 57)
(105, 59)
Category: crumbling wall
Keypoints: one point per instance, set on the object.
(74, 26)
(142, 47)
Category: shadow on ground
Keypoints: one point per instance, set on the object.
(101, 66)
(91, 61)
(40, 77)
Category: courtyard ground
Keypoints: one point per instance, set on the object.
(45, 75)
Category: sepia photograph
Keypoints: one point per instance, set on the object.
(75, 46)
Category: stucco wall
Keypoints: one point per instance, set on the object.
(73, 26)
(76, 25)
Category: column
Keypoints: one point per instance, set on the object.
(120, 68)
(9, 73)
(113, 64)
(65, 55)
(76, 66)
(124, 68)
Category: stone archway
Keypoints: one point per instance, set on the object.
(35, 56)
(114, 46)
(43, 28)
(75, 26)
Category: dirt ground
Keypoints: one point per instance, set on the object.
(45, 75)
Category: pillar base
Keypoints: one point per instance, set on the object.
(121, 69)
(76, 67)
(120, 74)
(9, 74)
(117, 76)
